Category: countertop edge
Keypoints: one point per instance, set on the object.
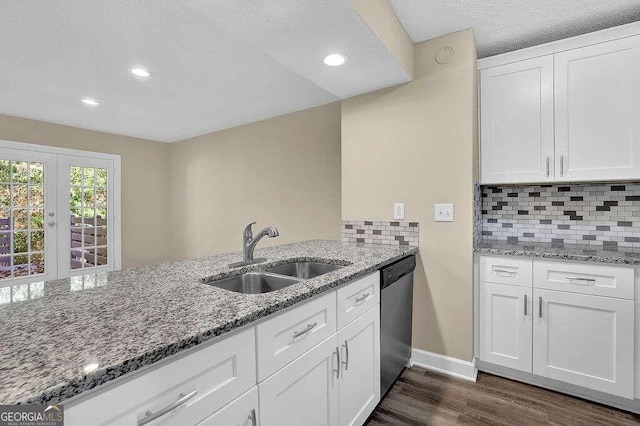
(102, 377)
(520, 252)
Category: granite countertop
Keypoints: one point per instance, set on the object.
(121, 321)
(580, 252)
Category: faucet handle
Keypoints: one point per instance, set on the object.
(248, 232)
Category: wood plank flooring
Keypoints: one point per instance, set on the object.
(420, 397)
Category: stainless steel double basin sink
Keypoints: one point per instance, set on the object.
(275, 277)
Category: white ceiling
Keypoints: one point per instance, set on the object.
(215, 64)
(505, 25)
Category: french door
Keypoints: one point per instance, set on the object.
(57, 214)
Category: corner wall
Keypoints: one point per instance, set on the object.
(284, 171)
(415, 144)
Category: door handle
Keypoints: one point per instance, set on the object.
(540, 307)
(346, 355)
(548, 159)
(252, 417)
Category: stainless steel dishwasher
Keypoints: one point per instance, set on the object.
(396, 309)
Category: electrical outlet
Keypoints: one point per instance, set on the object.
(444, 212)
(398, 211)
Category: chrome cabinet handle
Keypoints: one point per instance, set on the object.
(346, 352)
(548, 158)
(525, 305)
(561, 165)
(504, 271)
(149, 416)
(361, 298)
(337, 370)
(540, 307)
(590, 280)
(252, 417)
(305, 331)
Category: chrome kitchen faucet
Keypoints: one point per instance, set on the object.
(249, 244)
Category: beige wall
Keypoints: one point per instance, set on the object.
(414, 144)
(145, 179)
(284, 171)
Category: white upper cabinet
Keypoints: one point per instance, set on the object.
(566, 111)
(597, 101)
(516, 121)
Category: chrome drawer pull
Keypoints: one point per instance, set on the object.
(562, 165)
(590, 280)
(305, 331)
(361, 298)
(525, 305)
(149, 416)
(337, 371)
(547, 166)
(504, 271)
(252, 417)
(346, 361)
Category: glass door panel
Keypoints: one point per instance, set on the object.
(27, 242)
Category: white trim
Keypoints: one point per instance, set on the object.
(583, 40)
(56, 150)
(454, 367)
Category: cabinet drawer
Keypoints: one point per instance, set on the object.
(242, 411)
(206, 380)
(506, 270)
(358, 297)
(287, 336)
(600, 280)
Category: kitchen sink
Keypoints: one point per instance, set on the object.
(303, 270)
(255, 282)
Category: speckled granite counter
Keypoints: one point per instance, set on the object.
(128, 319)
(580, 252)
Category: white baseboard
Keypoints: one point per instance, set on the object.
(454, 367)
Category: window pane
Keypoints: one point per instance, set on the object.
(37, 263)
(20, 219)
(20, 172)
(20, 244)
(21, 265)
(89, 177)
(36, 219)
(5, 171)
(37, 240)
(19, 195)
(36, 173)
(36, 195)
(76, 176)
(75, 194)
(5, 195)
(101, 178)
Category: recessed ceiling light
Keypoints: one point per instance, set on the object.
(90, 102)
(335, 59)
(140, 72)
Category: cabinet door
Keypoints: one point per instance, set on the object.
(304, 392)
(242, 411)
(360, 368)
(516, 122)
(584, 340)
(506, 325)
(597, 102)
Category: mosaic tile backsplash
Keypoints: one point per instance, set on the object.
(381, 232)
(600, 214)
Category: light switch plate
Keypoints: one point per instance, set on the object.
(444, 212)
(398, 211)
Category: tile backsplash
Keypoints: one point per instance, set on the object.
(602, 214)
(381, 232)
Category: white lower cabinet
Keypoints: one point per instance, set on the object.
(304, 392)
(505, 325)
(360, 360)
(584, 340)
(242, 411)
(335, 383)
(573, 323)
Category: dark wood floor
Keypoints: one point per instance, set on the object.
(420, 397)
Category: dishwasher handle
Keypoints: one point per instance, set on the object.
(395, 271)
